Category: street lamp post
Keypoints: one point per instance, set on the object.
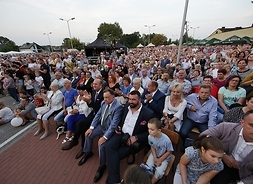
(182, 30)
(149, 31)
(49, 39)
(69, 29)
(194, 31)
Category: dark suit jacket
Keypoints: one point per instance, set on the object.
(88, 84)
(96, 103)
(228, 133)
(157, 104)
(74, 82)
(141, 126)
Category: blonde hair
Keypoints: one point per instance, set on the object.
(178, 87)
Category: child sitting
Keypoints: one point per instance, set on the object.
(161, 148)
(201, 162)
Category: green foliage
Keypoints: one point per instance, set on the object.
(130, 40)
(7, 45)
(75, 41)
(159, 39)
(110, 32)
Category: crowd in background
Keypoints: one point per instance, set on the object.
(209, 85)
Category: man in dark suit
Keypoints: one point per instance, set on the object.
(104, 123)
(134, 122)
(94, 100)
(238, 143)
(154, 99)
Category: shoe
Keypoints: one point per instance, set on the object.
(45, 135)
(38, 132)
(85, 158)
(69, 145)
(99, 173)
(79, 154)
(65, 140)
(147, 169)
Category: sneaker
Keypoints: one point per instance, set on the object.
(147, 169)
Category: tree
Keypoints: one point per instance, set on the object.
(130, 40)
(110, 32)
(7, 45)
(75, 41)
(159, 39)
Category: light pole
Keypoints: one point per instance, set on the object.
(69, 29)
(194, 31)
(149, 31)
(182, 30)
(49, 39)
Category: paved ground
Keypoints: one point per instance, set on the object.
(7, 130)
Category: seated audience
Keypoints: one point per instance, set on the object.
(220, 81)
(154, 99)
(161, 148)
(201, 112)
(131, 135)
(174, 107)
(6, 114)
(235, 115)
(135, 174)
(237, 139)
(137, 85)
(201, 162)
(230, 94)
(26, 110)
(54, 100)
(208, 80)
(76, 113)
(187, 87)
(164, 83)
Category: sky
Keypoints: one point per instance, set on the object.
(26, 20)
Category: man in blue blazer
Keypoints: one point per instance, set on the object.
(104, 123)
(134, 122)
(154, 99)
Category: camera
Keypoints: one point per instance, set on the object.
(133, 147)
(170, 116)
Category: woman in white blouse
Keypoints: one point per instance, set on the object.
(174, 108)
(77, 112)
(54, 99)
(137, 85)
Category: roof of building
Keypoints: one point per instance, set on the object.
(224, 33)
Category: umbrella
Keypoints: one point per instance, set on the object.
(213, 41)
(233, 40)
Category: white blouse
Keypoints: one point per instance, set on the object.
(177, 111)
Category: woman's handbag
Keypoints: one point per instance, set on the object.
(42, 110)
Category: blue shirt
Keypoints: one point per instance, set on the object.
(206, 112)
(163, 86)
(126, 90)
(70, 97)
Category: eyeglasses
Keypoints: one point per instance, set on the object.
(235, 80)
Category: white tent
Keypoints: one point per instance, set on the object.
(140, 46)
(150, 45)
(172, 45)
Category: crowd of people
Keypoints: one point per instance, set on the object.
(126, 99)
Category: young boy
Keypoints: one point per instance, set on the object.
(161, 148)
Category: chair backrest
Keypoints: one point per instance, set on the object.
(170, 164)
(174, 137)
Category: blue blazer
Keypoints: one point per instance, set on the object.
(111, 120)
(157, 104)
